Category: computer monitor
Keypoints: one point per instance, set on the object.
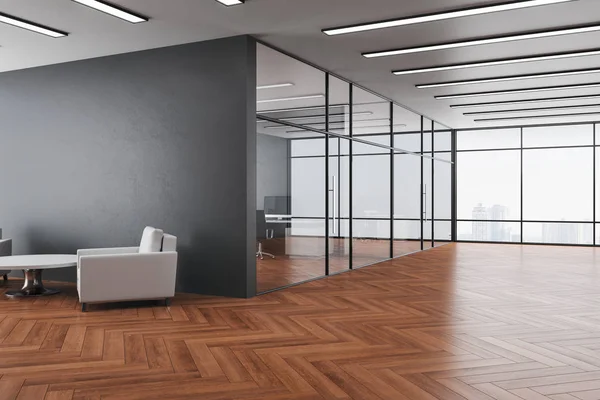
(279, 205)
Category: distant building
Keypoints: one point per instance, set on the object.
(486, 231)
(560, 233)
(499, 232)
(480, 228)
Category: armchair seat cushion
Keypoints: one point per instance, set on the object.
(151, 240)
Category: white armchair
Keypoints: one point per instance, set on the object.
(5, 250)
(146, 272)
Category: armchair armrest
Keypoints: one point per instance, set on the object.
(117, 277)
(107, 251)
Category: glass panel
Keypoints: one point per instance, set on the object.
(442, 232)
(489, 185)
(427, 134)
(406, 121)
(558, 184)
(288, 88)
(306, 147)
(443, 187)
(427, 202)
(371, 241)
(407, 202)
(407, 237)
(339, 177)
(339, 106)
(597, 234)
(371, 186)
(443, 138)
(370, 115)
(407, 186)
(489, 139)
(485, 231)
(371, 182)
(290, 217)
(361, 148)
(558, 233)
(551, 136)
(597, 170)
(407, 183)
(408, 141)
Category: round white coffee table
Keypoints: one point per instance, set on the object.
(32, 267)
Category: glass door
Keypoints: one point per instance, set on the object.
(338, 203)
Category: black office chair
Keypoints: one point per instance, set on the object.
(262, 233)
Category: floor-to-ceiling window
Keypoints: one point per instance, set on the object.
(345, 178)
(527, 185)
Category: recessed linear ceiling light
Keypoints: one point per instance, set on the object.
(488, 40)
(546, 57)
(509, 78)
(537, 116)
(526, 101)
(275, 86)
(309, 117)
(30, 26)
(312, 96)
(113, 10)
(287, 110)
(440, 16)
(526, 110)
(317, 124)
(516, 91)
(231, 2)
(344, 130)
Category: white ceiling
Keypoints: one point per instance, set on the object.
(295, 26)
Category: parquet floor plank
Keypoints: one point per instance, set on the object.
(59, 395)
(462, 321)
(37, 392)
(10, 388)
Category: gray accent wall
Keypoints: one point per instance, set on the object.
(93, 151)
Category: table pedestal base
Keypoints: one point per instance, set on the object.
(33, 286)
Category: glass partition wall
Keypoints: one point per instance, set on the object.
(345, 178)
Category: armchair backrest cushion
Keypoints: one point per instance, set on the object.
(151, 240)
(6, 247)
(169, 243)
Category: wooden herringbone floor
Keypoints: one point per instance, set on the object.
(457, 322)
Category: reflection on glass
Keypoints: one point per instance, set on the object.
(286, 85)
(558, 233)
